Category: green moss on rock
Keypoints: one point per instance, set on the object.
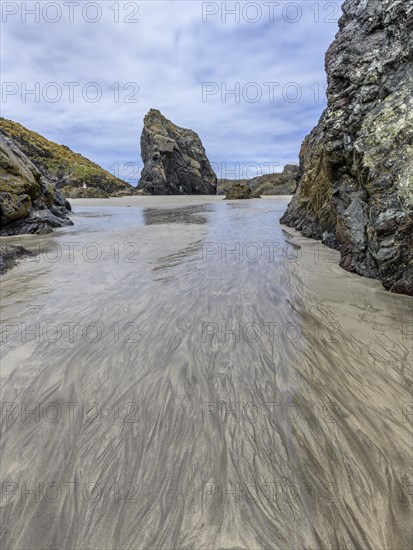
(29, 202)
(58, 163)
(355, 188)
(239, 191)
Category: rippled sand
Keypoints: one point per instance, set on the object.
(187, 374)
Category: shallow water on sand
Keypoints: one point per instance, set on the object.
(186, 373)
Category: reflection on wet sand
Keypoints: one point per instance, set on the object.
(186, 214)
(231, 389)
(172, 260)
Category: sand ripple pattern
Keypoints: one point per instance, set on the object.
(226, 405)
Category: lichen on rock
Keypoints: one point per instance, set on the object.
(29, 203)
(59, 164)
(175, 162)
(355, 187)
(239, 190)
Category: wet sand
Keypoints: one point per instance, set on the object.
(185, 373)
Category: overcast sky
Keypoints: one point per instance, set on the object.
(182, 57)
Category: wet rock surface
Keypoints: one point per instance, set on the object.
(175, 162)
(355, 188)
(29, 203)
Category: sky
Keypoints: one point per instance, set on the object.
(248, 77)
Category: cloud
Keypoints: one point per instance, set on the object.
(164, 61)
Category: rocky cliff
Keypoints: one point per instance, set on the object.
(283, 183)
(29, 203)
(278, 183)
(355, 187)
(174, 159)
(68, 170)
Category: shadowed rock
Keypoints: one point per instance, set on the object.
(29, 203)
(174, 159)
(356, 167)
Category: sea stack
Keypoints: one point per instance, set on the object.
(175, 162)
(355, 189)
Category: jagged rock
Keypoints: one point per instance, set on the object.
(59, 164)
(28, 202)
(174, 159)
(356, 167)
(239, 190)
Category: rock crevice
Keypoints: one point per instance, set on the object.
(355, 189)
(29, 203)
(175, 162)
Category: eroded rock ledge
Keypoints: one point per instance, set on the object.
(29, 203)
(355, 187)
(174, 159)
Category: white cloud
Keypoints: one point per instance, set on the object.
(169, 54)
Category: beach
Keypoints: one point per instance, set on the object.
(186, 373)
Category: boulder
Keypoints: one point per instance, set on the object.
(29, 203)
(175, 162)
(239, 190)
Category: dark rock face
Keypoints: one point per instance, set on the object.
(174, 159)
(29, 203)
(355, 187)
(239, 191)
